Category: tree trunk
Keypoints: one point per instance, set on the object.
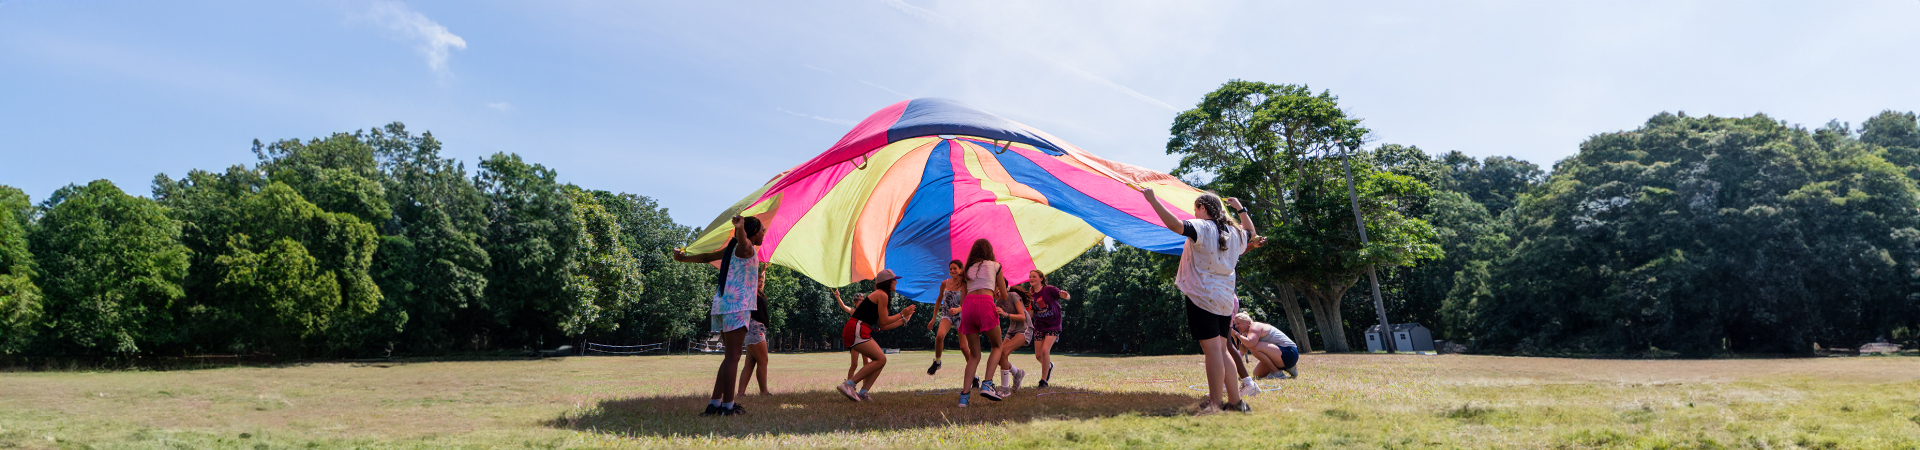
(1326, 314)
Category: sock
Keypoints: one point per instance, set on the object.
(1246, 381)
(727, 405)
(863, 392)
(713, 402)
(848, 382)
(1004, 374)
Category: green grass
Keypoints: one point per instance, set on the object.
(1341, 401)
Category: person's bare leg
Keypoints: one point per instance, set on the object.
(854, 364)
(967, 342)
(993, 357)
(940, 338)
(746, 373)
(759, 353)
(1233, 353)
(1215, 368)
(1227, 381)
(1043, 351)
(871, 371)
(723, 383)
(1267, 363)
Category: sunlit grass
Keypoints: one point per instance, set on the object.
(1341, 401)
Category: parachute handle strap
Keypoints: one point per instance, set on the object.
(1003, 146)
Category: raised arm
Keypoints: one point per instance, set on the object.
(744, 248)
(1246, 220)
(843, 303)
(1166, 217)
(681, 255)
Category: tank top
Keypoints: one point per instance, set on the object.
(949, 300)
(868, 312)
(1009, 304)
(739, 291)
(983, 275)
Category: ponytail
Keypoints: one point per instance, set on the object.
(1211, 203)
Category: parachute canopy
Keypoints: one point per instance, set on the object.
(913, 185)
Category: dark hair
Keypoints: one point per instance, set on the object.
(887, 286)
(962, 264)
(982, 251)
(753, 227)
(1211, 203)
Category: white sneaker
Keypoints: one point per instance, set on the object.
(1248, 389)
(1018, 375)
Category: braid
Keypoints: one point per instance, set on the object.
(1211, 203)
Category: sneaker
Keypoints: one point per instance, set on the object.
(1018, 376)
(736, 411)
(1240, 407)
(987, 390)
(933, 368)
(1248, 389)
(847, 391)
(1278, 375)
(1292, 372)
(713, 410)
(963, 400)
(1206, 408)
(864, 397)
(1043, 384)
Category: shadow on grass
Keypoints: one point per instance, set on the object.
(828, 412)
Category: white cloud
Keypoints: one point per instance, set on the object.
(810, 66)
(501, 106)
(884, 88)
(814, 117)
(435, 42)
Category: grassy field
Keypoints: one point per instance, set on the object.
(1340, 401)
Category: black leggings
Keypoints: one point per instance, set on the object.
(1206, 325)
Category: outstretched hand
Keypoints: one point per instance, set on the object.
(1235, 203)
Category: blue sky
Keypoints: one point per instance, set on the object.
(673, 99)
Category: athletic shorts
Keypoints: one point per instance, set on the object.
(729, 321)
(1289, 355)
(1008, 334)
(756, 333)
(977, 315)
(855, 333)
(1206, 325)
(1041, 334)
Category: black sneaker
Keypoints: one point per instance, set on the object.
(742, 410)
(1240, 407)
(933, 368)
(713, 410)
(1043, 384)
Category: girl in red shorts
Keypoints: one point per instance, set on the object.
(870, 315)
(984, 283)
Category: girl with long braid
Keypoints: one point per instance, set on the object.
(1206, 276)
(733, 305)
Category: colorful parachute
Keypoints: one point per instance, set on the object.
(914, 185)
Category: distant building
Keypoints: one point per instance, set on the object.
(1407, 337)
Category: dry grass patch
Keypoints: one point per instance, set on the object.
(1342, 401)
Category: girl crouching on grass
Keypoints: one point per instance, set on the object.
(1276, 352)
(868, 316)
(983, 283)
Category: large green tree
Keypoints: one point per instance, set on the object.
(113, 265)
(1702, 235)
(1282, 149)
(431, 265)
(19, 296)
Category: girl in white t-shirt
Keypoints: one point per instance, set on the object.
(1206, 277)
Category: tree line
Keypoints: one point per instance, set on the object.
(1687, 236)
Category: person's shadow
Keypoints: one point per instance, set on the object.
(827, 411)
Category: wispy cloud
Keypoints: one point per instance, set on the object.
(435, 42)
(884, 88)
(501, 106)
(810, 66)
(814, 117)
(951, 23)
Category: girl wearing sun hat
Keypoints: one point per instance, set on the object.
(869, 315)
